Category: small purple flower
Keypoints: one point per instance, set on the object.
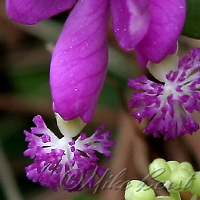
(65, 162)
(168, 105)
(79, 61)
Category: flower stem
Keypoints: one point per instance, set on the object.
(194, 197)
(175, 196)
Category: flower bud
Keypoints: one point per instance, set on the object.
(187, 166)
(195, 187)
(173, 164)
(159, 170)
(180, 180)
(138, 190)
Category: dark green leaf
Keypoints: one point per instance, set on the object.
(192, 23)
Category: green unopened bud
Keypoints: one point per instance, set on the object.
(195, 187)
(180, 180)
(159, 170)
(173, 164)
(138, 190)
(187, 166)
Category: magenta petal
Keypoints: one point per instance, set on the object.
(79, 62)
(130, 21)
(33, 11)
(167, 20)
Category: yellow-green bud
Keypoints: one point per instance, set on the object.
(187, 166)
(195, 187)
(173, 164)
(159, 170)
(138, 190)
(180, 180)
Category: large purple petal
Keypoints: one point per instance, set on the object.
(33, 11)
(130, 21)
(167, 20)
(79, 62)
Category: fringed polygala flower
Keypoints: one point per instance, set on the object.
(79, 60)
(169, 103)
(150, 27)
(65, 162)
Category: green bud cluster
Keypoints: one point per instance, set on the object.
(181, 178)
(175, 176)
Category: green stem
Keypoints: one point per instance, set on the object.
(194, 197)
(163, 198)
(175, 196)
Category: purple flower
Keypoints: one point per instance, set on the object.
(65, 162)
(150, 27)
(79, 61)
(168, 105)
